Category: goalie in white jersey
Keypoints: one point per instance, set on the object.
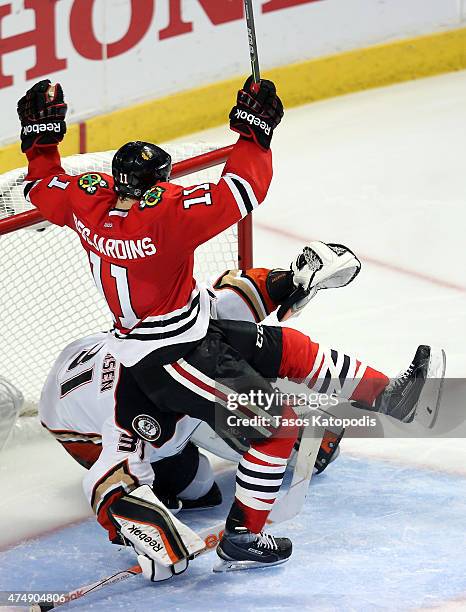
(77, 406)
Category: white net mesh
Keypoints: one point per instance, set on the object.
(48, 297)
(11, 401)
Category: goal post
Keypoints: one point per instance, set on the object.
(48, 297)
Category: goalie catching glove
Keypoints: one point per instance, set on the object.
(257, 112)
(42, 113)
(318, 266)
(164, 545)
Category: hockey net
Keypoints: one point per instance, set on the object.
(48, 297)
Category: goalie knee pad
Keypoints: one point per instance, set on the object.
(173, 474)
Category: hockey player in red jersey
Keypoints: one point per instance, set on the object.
(142, 256)
(77, 407)
(140, 233)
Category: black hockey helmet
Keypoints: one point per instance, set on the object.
(137, 166)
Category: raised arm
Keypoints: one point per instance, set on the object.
(206, 210)
(42, 112)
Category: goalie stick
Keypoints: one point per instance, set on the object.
(290, 505)
(211, 537)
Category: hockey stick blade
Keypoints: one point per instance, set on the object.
(211, 537)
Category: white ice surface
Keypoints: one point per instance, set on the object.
(383, 172)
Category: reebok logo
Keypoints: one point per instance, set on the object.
(253, 120)
(37, 128)
(152, 542)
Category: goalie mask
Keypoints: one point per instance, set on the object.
(137, 166)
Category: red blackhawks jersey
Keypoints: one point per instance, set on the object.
(142, 259)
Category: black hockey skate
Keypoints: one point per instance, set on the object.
(211, 499)
(240, 549)
(412, 396)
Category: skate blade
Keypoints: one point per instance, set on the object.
(428, 406)
(224, 565)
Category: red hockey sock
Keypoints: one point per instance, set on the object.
(323, 370)
(260, 475)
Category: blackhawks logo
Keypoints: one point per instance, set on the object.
(151, 198)
(91, 182)
(146, 154)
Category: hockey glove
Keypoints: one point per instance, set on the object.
(42, 113)
(164, 545)
(257, 113)
(318, 266)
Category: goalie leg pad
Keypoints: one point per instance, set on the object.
(154, 532)
(153, 571)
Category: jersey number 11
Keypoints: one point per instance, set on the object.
(119, 291)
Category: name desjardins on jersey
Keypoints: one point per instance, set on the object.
(119, 249)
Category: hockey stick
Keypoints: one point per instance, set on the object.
(211, 537)
(256, 74)
(291, 504)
